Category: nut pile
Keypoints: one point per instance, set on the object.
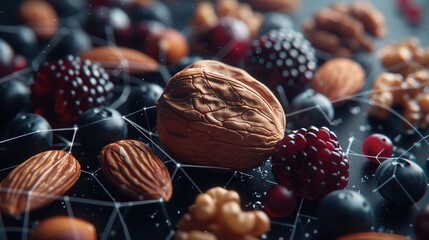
(216, 214)
(405, 57)
(342, 29)
(410, 93)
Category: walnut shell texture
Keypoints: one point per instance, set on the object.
(36, 182)
(135, 170)
(212, 114)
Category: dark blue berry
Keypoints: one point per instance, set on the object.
(156, 11)
(275, 20)
(400, 181)
(316, 109)
(6, 54)
(100, 126)
(74, 42)
(22, 39)
(14, 98)
(33, 134)
(342, 212)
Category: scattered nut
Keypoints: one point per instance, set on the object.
(41, 17)
(38, 181)
(112, 58)
(213, 114)
(64, 227)
(135, 169)
(338, 79)
(410, 93)
(372, 236)
(287, 6)
(217, 214)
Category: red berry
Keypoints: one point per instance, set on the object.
(66, 88)
(422, 224)
(280, 202)
(311, 163)
(282, 57)
(377, 148)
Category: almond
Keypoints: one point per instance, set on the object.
(338, 79)
(133, 61)
(41, 17)
(64, 227)
(37, 181)
(135, 169)
(372, 236)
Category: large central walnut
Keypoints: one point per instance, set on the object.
(213, 114)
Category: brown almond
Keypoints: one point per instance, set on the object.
(135, 169)
(135, 62)
(38, 181)
(64, 227)
(41, 17)
(339, 78)
(372, 236)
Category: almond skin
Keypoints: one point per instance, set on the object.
(135, 170)
(372, 236)
(41, 17)
(111, 58)
(64, 227)
(37, 181)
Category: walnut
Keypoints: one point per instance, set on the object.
(216, 214)
(410, 93)
(213, 114)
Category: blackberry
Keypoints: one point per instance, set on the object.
(311, 163)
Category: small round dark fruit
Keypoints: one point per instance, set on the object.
(66, 8)
(14, 98)
(6, 56)
(74, 42)
(342, 212)
(33, 135)
(311, 108)
(114, 18)
(422, 224)
(275, 20)
(100, 126)
(280, 202)
(23, 40)
(401, 181)
(150, 11)
(377, 148)
(142, 101)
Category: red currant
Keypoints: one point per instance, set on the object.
(377, 148)
(280, 202)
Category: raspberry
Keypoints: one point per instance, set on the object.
(311, 163)
(282, 57)
(66, 88)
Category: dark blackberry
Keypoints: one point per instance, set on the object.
(311, 163)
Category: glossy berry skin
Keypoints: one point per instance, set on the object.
(342, 212)
(6, 57)
(153, 11)
(14, 98)
(74, 42)
(377, 148)
(280, 202)
(144, 96)
(422, 224)
(23, 41)
(228, 41)
(113, 18)
(410, 176)
(39, 140)
(67, 87)
(311, 163)
(100, 126)
(275, 21)
(315, 109)
(282, 57)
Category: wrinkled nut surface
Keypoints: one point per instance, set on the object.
(218, 214)
(213, 114)
(338, 79)
(38, 181)
(64, 227)
(41, 17)
(372, 236)
(410, 93)
(111, 58)
(136, 170)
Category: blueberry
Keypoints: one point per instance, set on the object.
(6, 54)
(156, 10)
(317, 109)
(74, 42)
(400, 181)
(342, 212)
(274, 21)
(144, 96)
(36, 135)
(14, 99)
(115, 18)
(23, 40)
(100, 126)
(66, 8)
